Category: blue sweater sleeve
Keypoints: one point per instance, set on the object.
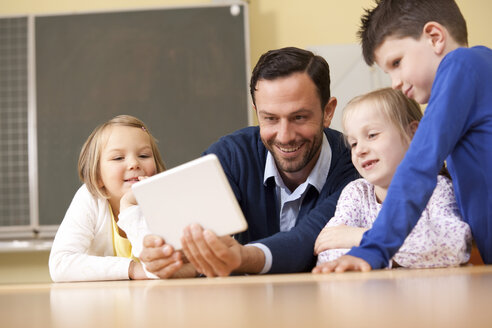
(445, 121)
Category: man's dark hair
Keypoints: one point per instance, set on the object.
(407, 18)
(286, 61)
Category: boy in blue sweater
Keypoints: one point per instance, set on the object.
(287, 174)
(422, 45)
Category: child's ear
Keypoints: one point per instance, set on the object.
(436, 34)
(100, 183)
(412, 128)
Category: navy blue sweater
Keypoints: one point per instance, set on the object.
(243, 157)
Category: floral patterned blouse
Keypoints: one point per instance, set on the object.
(439, 239)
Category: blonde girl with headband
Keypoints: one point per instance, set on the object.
(379, 127)
(89, 245)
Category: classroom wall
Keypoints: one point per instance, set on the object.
(273, 24)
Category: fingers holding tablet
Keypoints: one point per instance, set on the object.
(211, 255)
(160, 258)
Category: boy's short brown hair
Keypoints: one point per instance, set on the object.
(407, 18)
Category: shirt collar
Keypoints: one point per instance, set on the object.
(316, 178)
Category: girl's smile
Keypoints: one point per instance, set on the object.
(126, 155)
(377, 145)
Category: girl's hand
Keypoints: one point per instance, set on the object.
(342, 264)
(128, 199)
(136, 271)
(341, 236)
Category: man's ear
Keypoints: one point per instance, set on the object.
(437, 36)
(256, 113)
(329, 111)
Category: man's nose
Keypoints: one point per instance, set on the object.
(285, 133)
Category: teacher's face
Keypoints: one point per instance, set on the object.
(291, 123)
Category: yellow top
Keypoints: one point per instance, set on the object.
(121, 245)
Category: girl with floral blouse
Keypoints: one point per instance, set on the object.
(379, 127)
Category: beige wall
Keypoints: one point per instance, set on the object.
(279, 23)
(24, 267)
(273, 24)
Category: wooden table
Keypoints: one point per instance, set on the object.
(453, 297)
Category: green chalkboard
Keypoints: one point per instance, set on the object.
(183, 71)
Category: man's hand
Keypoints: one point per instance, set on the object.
(342, 264)
(341, 236)
(160, 258)
(211, 255)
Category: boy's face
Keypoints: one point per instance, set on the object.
(411, 64)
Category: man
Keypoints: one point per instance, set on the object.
(287, 175)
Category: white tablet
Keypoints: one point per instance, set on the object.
(194, 192)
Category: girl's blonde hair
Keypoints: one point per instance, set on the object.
(90, 155)
(394, 105)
